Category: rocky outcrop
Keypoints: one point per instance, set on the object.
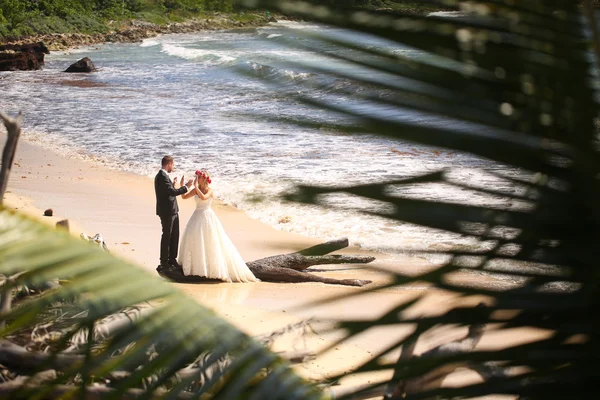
(23, 57)
(83, 65)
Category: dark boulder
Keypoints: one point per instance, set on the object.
(23, 57)
(83, 65)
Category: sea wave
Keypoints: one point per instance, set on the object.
(297, 25)
(280, 74)
(207, 57)
(149, 42)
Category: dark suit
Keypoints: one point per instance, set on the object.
(168, 211)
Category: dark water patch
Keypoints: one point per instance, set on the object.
(82, 83)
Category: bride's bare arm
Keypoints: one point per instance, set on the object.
(188, 194)
(203, 196)
(191, 192)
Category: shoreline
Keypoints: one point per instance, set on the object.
(132, 31)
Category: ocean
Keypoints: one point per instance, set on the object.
(198, 97)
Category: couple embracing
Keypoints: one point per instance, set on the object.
(206, 250)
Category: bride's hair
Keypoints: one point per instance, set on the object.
(205, 175)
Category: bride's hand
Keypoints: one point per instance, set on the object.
(196, 181)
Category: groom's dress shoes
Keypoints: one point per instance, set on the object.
(164, 268)
(175, 265)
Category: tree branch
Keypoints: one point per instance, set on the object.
(325, 248)
(13, 128)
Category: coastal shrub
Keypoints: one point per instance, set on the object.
(20, 31)
(84, 23)
(153, 17)
(13, 11)
(135, 6)
(111, 9)
(46, 25)
(3, 26)
(219, 5)
(184, 6)
(58, 8)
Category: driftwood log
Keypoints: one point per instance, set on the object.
(293, 267)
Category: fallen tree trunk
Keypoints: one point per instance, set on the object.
(292, 267)
(299, 262)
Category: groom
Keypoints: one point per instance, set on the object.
(168, 211)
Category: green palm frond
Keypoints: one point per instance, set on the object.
(148, 339)
(515, 83)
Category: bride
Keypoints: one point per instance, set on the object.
(206, 250)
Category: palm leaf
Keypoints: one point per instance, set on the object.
(143, 328)
(514, 84)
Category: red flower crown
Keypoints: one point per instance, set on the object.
(204, 175)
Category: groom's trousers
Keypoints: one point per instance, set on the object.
(169, 242)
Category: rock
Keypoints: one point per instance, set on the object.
(83, 65)
(23, 57)
(48, 213)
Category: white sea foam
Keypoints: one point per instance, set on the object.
(297, 25)
(208, 57)
(149, 42)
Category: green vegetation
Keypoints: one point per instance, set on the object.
(20, 18)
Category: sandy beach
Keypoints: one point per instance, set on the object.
(120, 206)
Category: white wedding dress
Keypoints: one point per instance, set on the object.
(207, 251)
